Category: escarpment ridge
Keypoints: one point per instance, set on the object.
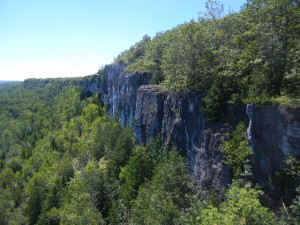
(178, 120)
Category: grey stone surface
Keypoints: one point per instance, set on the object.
(177, 118)
(118, 90)
(274, 135)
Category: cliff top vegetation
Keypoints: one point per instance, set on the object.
(250, 56)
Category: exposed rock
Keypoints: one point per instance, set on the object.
(178, 119)
(118, 90)
(210, 170)
(274, 134)
(149, 113)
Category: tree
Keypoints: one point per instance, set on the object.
(139, 168)
(291, 82)
(214, 10)
(186, 63)
(79, 206)
(91, 112)
(35, 193)
(237, 152)
(135, 52)
(214, 103)
(295, 210)
(119, 155)
(165, 197)
(240, 207)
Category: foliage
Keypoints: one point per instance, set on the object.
(166, 196)
(139, 168)
(214, 103)
(295, 210)
(64, 161)
(237, 152)
(52, 135)
(241, 206)
(80, 203)
(293, 168)
(135, 52)
(287, 102)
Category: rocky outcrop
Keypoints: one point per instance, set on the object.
(149, 113)
(274, 135)
(175, 116)
(118, 90)
(210, 170)
(177, 119)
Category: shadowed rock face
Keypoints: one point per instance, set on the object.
(149, 113)
(274, 135)
(177, 118)
(210, 170)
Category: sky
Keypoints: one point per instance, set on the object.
(70, 38)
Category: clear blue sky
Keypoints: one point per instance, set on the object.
(63, 38)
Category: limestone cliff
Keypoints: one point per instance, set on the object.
(274, 135)
(177, 118)
(118, 90)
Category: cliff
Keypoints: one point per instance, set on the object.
(118, 90)
(177, 118)
(274, 135)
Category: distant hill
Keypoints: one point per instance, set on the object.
(4, 82)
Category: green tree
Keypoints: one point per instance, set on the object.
(241, 207)
(291, 81)
(135, 52)
(165, 197)
(214, 103)
(91, 112)
(78, 206)
(35, 193)
(294, 218)
(237, 152)
(138, 169)
(119, 155)
(187, 62)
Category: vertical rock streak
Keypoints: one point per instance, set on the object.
(274, 135)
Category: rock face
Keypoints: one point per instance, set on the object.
(177, 118)
(210, 170)
(274, 135)
(118, 90)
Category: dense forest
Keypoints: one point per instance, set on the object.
(63, 160)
